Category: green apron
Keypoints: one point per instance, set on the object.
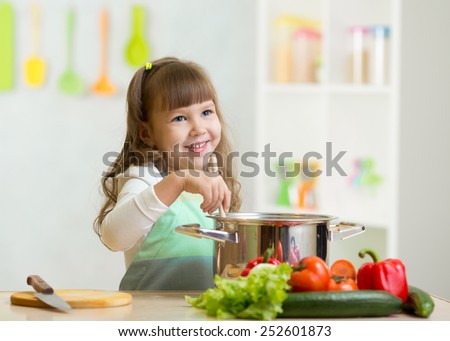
(168, 260)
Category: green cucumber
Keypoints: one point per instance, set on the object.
(354, 303)
(419, 302)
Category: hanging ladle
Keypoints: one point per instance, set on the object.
(103, 85)
(69, 82)
(35, 66)
(137, 50)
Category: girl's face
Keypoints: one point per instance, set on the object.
(188, 134)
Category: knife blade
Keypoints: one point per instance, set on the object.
(46, 294)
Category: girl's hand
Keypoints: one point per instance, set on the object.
(211, 187)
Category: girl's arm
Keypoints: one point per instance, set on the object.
(139, 205)
(134, 214)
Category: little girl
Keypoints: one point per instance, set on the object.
(160, 179)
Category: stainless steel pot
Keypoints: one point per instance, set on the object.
(242, 236)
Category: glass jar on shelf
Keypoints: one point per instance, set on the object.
(282, 51)
(306, 55)
(359, 54)
(379, 54)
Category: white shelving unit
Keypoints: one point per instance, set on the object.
(360, 119)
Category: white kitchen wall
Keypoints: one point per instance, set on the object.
(424, 183)
(53, 144)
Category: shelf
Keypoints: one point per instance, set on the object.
(360, 89)
(340, 89)
(294, 88)
(360, 120)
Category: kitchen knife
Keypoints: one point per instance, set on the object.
(46, 294)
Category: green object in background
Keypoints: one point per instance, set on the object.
(286, 180)
(69, 82)
(137, 50)
(6, 46)
(283, 194)
(369, 177)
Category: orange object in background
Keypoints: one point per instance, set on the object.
(103, 85)
(306, 190)
(306, 195)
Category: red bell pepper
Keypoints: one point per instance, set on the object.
(388, 275)
(255, 261)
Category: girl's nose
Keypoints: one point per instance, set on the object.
(197, 128)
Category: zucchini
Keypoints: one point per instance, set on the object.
(354, 303)
(419, 302)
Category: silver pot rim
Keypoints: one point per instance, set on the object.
(263, 218)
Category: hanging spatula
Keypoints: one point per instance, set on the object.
(70, 82)
(137, 50)
(6, 46)
(35, 66)
(103, 85)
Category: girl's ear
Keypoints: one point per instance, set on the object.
(144, 135)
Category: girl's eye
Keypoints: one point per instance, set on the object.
(179, 119)
(206, 112)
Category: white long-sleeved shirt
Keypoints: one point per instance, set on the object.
(137, 209)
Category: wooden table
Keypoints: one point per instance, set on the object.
(160, 306)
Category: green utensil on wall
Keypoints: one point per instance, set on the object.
(70, 82)
(137, 50)
(6, 46)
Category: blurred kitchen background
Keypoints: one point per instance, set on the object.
(372, 77)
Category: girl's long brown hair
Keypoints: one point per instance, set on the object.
(169, 84)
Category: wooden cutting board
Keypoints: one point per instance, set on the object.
(82, 298)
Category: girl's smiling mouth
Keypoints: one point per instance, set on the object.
(197, 147)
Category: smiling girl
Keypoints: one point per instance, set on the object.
(160, 179)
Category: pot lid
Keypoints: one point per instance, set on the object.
(273, 218)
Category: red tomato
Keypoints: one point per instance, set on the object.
(343, 268)
(310, 274)
(342, 284)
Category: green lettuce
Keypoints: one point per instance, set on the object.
(259, 296)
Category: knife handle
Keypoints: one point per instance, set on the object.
(39, 284)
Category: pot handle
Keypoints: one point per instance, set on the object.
(345, 230)
(194, 230)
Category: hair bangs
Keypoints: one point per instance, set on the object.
(181, 86)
